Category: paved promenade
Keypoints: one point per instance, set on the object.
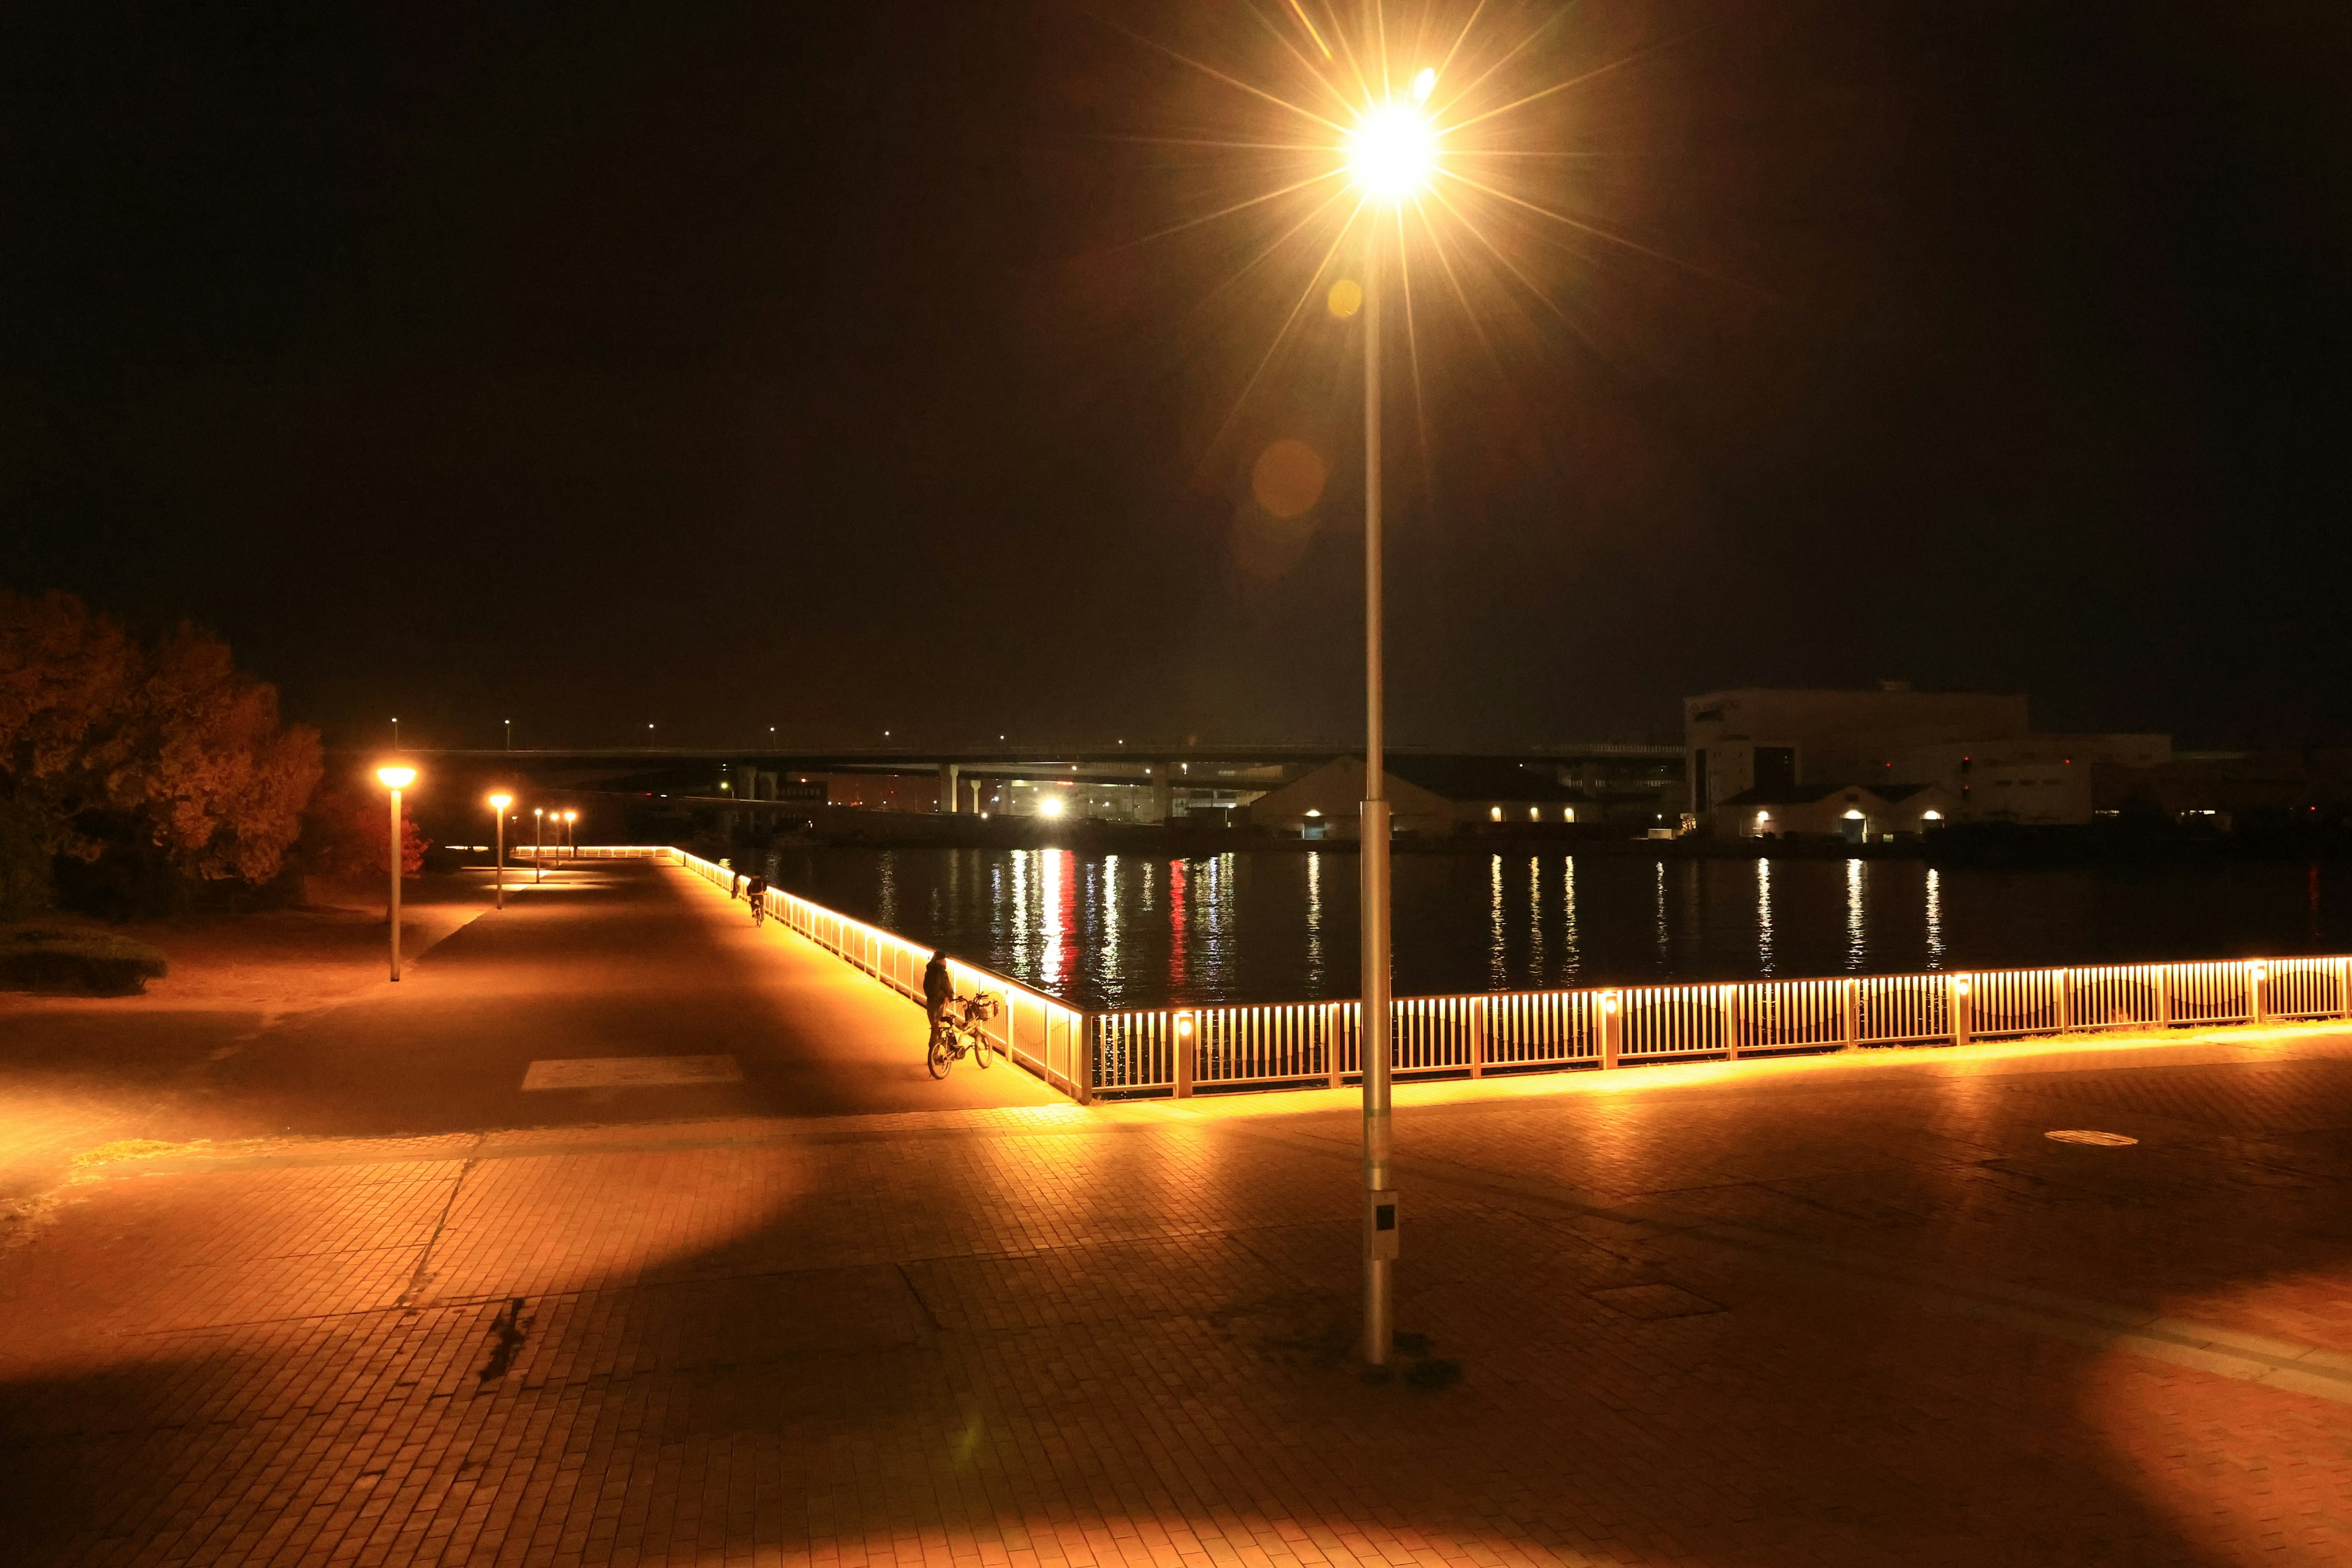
(1846, 1310)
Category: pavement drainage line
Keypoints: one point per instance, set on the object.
(424, 1275)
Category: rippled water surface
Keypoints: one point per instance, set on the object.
(1125, 931)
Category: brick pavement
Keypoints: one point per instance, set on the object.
(1806, 1313)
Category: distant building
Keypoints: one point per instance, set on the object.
(1979, 748)
(1428, 795)
(1859, 814)
(1326, 803)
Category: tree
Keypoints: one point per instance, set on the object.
(347, 828)
(110, 749)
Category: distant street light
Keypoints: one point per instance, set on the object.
(571, 840)
(509, 724)
(499, 803)
(395, 734)
(538, 821)
(395, 779)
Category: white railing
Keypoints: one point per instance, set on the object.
(1034, 1031)
(1178, 1051)
(589, 852)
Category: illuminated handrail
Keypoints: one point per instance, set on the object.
(1048, 1039)
(1174, 1051)
(1287, 1044)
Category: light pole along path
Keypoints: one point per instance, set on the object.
(1389, 153)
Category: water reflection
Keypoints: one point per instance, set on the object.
(1277, 926)
(1314, 921)
(1856, 947)
(1499, 953)
(1574, 955)
(1535, 915)
(1935, 918)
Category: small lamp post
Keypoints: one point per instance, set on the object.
(538, 821)
(395, 779)
(499, 803)
(571, 840)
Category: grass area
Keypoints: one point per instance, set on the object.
(77, 960)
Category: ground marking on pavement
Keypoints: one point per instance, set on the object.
(630, 1072)
(2082, 1136)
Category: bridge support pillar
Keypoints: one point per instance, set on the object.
(1163, 794)
(950, 783)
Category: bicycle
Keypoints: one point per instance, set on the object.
(956, 1032)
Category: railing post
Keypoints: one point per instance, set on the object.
(1183, 1028)
(2065, 1001)
(1331, 1016)
(1731, 1023)
(1082, 1063)
(1961, 1009)
(1852, 1001)
(1477, 1005)
(2344, 987)
(2164, 995)
(2258, 984)
(1611, 1024)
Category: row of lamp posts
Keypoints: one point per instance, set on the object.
(396, 778)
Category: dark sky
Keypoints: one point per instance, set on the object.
(736, 364)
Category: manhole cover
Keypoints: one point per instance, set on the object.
(2079, 1135)
(1651, 1302)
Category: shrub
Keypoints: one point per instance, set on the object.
(76, 962)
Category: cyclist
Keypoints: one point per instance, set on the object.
(755, 893)
(939, 990)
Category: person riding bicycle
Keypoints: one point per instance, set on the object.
(755, 893)
(939, 990)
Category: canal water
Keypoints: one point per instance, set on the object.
(1125, 931)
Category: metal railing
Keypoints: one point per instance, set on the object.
(588, 852)
(1034, 1031)
(1182, 1050)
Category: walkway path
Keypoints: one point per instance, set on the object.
(1852, 1311)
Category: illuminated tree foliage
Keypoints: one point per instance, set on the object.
(345, 833)
(111, 748)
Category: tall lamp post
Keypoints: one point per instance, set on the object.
(538, 821)
(499, 803)
(571, 840)
(1390, 152)
(394, 780)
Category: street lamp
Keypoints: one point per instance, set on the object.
(571, 840)
(499, 803)
(1390, 154)
(509, 724)
(395, 779)
(538, 820)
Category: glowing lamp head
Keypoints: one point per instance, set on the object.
(396, 778)
(500, 802)
(571, 816)
(1392, 151)
(1050, 806)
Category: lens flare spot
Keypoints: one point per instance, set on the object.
(1287, 477)
(1267, 547)
(1346, 298)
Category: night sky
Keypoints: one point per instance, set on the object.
(725, 366)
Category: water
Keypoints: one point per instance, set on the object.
(1107, 931)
